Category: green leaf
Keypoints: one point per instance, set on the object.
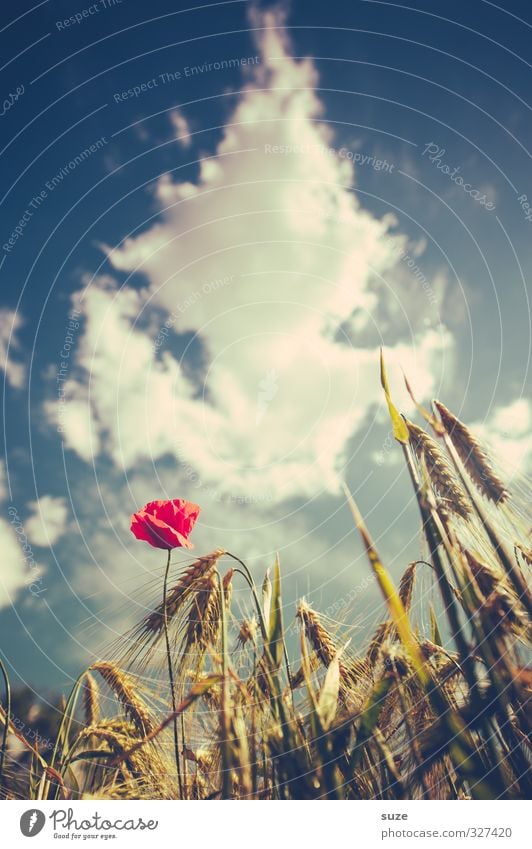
(328, 698)
(267, 595)
(435, 631)
(400, 430)
(275, 631)
(395, 606)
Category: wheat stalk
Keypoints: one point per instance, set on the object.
(91, 706)
(179, 594)
(317, 635)
(203, 621)
(406, 585)
(473, 456)
(442, 478)
(125, 687)
(247, 632)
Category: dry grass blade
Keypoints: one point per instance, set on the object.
(473, 456)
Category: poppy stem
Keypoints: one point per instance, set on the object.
(171, 676)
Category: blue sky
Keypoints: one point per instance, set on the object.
(241, 203)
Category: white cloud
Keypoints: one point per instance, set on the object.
(47, 521)
(18, 569)
(180, 125)
(12, 573)
(262, 260)
(508, 431)
(15, 373)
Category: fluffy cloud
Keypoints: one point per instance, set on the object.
(260, 262)
(12, 574)
(47, 521)
(14, 371)
(180, 125)
(508, 431)
(17, 565)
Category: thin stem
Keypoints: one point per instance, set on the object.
(249, 578)
(464, 649)
(63, 734)
(513, 573)
(251, 583)
(7, 718)
(183, 749)
(226, 759)
(462, 645)
(171, 677)
(414, 745)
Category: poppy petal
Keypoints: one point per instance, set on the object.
(165, 524)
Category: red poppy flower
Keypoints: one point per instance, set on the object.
(166, 524)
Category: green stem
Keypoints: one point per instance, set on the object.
(171, 676)
(63, 733)
(251, 583)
